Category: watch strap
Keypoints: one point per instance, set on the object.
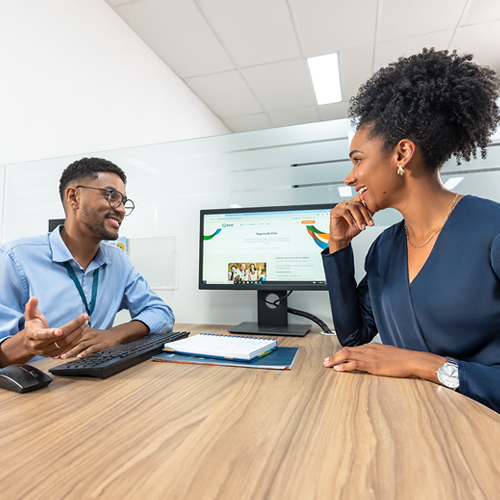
(452, 361)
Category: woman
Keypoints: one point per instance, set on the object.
(432, 284)
(233, 273)
(253, 273)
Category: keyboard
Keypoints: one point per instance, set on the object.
(105, 363)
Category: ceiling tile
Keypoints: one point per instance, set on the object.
(327, 26)
(481, 11)
(387, 52)
(282, 85)
(355, 68)
(481, 40)
(294, 116)
(179, 33)
(333, 111)
(250, 122)
(407, 18)
(226, 94)
(255, 32)
(243, 58)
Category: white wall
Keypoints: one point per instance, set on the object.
(75, 78)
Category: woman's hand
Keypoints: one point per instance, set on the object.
(386, 360)
(347, 220)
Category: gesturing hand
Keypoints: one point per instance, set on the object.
(40, 339)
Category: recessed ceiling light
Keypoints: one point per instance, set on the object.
(453, 182)
(325, 74)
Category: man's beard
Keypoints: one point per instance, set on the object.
(95, 223)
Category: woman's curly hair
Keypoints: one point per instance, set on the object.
(442, 101)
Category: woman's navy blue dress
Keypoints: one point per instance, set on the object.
(451, 308)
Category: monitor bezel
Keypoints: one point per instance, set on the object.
(273, 285)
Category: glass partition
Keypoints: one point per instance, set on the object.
(171, 182)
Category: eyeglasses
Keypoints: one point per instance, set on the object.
(115, 198)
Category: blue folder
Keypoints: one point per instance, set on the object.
(280, 359)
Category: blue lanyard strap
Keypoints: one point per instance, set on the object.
(95, 281)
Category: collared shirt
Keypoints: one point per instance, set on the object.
(33, 267)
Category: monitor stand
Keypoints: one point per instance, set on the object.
(272, 320)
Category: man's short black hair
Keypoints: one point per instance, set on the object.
(440, 100)
(87, 168)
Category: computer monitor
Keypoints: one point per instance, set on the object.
(53, 223)
(273, 250)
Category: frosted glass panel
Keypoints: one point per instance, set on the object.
(171, 182)
(154, 258)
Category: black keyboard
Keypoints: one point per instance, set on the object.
(105, 363)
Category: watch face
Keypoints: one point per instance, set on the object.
(448, 375)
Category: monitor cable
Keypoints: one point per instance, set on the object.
(324, 327)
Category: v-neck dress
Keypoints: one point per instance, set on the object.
(451, 308)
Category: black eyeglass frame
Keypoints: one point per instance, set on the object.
(123, 199)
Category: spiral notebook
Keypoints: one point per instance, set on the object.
(222, 346)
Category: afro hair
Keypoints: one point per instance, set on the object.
(442, 101)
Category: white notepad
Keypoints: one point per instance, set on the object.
(223, 346)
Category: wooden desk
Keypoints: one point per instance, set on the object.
(171, 431)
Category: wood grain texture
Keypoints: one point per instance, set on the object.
(167, 430)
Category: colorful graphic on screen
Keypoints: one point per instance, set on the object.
(320, 238)
(206, 238)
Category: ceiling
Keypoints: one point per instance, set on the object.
(246, 59)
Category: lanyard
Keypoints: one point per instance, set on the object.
(95, 280)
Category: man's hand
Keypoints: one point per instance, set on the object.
(38, 339)
(94, 340)
(386, 360)
(41, 340)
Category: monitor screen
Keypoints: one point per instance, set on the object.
(264, 247)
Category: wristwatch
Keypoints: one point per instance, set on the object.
(448, 374)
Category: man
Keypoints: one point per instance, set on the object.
(243, 273)
(77, 281)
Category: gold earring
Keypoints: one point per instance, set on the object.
(401, 170)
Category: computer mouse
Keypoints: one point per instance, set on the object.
(23, 378)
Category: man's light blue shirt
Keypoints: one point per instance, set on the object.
(33, 267)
